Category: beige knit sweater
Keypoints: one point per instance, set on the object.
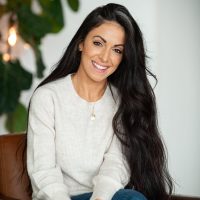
(68, 153)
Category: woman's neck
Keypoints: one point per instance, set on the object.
(87, 89)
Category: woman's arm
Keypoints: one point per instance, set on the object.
(46, 176)
(113, 175)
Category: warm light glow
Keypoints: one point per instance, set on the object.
(12, 37)
(26, 46)
(6, 57)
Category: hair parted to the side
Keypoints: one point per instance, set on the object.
(137, 113)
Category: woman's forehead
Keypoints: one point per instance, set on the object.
(110, 31)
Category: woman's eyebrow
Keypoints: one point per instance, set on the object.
(116, 45)
(100, 38)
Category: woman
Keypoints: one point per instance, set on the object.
(92, 128)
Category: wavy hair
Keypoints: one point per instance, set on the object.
(137, 113)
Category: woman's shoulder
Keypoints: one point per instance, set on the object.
(50, 89)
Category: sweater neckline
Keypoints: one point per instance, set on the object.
(80, 99)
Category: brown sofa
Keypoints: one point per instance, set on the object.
(15, 185)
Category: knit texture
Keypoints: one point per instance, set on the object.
(67, 152)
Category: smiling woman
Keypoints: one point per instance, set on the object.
(101, 55)
(92, 125)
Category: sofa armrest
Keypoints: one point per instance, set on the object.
(3, 197)
(14, 180)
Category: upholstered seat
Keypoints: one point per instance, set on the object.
(14, 183)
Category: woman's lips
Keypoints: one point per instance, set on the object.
(99, 68)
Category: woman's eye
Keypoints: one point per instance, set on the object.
(96, 43)
(118, 51)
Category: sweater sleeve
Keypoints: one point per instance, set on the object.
(114, 173)
(46, 176)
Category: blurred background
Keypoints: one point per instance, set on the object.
(33, 38)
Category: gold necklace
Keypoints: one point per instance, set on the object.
(92, 115)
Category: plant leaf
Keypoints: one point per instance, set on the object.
(14, 78)
(16, 4)
(74, 4)
(32, 26)
(17, 120)
(3, 10)
(39, 60)
(52, 11)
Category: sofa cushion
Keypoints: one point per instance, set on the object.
(13, 182)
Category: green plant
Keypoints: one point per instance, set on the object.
(32, 28)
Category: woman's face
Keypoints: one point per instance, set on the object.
(102, 51)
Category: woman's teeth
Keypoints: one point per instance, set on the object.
(99, 66)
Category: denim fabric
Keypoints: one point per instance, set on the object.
(85, 196)
(123, 194)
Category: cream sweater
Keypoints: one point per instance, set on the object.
(68, 153)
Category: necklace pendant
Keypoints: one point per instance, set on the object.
(92, 117)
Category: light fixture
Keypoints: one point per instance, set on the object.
(10, 39)
(12, 36)
(6, 57)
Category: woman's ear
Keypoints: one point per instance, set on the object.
(80, 46)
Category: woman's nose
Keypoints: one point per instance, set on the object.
(105, 55)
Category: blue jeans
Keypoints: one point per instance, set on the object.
(123, 194)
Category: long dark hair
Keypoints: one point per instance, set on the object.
(137, 113)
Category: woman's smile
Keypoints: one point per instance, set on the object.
(99, 68)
